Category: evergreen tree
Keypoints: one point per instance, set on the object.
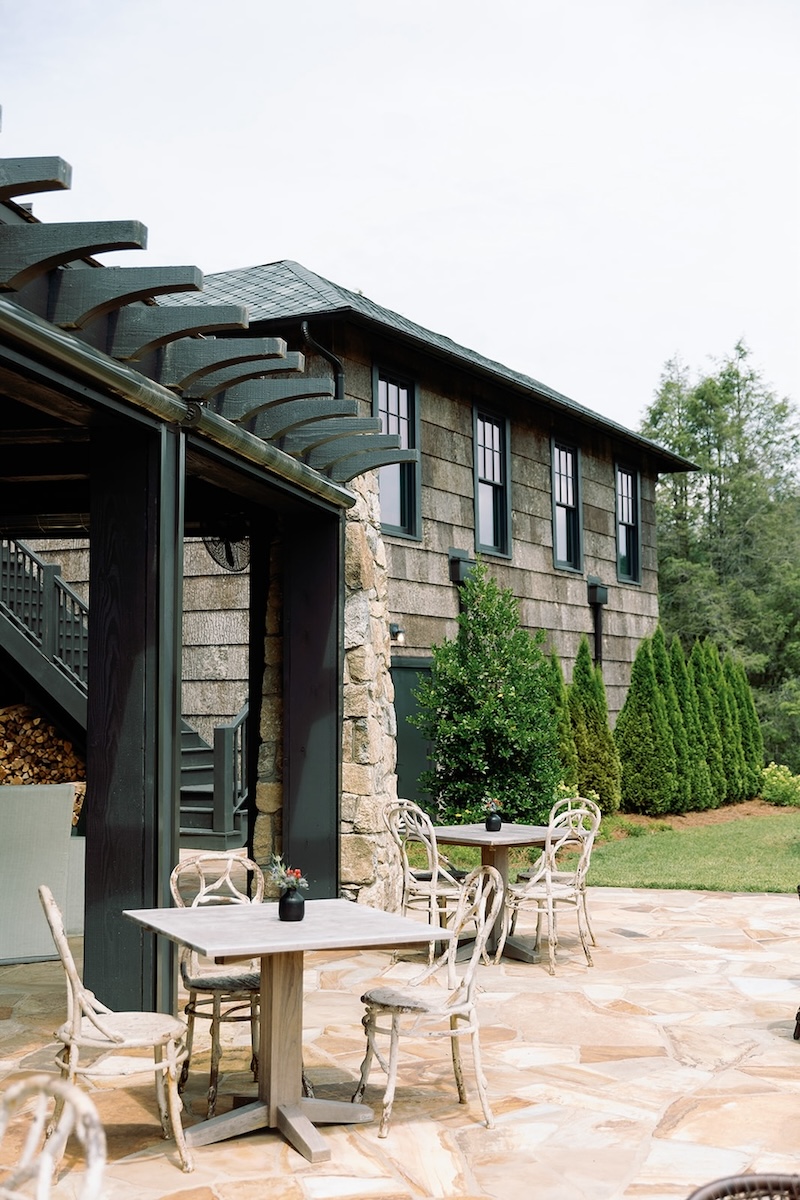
(752, 740)
(701, 795)
(486, 709)
(682, 797)
(729, 729)
(729, 533)
(644, 742)
(567, 755)
(598, 760)
(709, 726)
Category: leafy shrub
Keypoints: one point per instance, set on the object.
(487, 710)
(780, 786)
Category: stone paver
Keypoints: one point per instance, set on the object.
(669, 1063)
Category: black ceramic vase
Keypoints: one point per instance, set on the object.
(291, 905)
(494, 821)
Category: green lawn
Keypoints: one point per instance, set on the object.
(749, 854)
(744, 854)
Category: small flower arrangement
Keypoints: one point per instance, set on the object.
(490, 805)
(286, 878)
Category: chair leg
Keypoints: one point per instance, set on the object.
(509, 919)
(458, 1070)
(592, 938)
(161, 1092)
(551, 936)
(254, 1034)
(175, 1107)
(189, 1014)
(368, 1021)
(216, 1054)
(391, 1083)
(582, 931)
(480, 1079)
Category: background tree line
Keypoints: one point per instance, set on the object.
(729, 533)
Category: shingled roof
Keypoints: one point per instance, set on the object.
(286, 290)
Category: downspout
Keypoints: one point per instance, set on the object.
(338, 369)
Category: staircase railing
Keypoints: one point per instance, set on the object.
(35, 598)
(230, 770)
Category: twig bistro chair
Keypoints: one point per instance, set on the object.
(92, 1028)
(750, 1187)
(550, 883)
(216, 993)
(435, 1012)
(594, 808)
(435, 887)
(39, 1099)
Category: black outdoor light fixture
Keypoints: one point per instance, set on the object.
(461, 565)
(397, 635)
(598, 596)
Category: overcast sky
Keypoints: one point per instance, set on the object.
(580, 189)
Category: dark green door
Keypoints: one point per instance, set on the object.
(412, 748)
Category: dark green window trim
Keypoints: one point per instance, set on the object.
(491, 442)
(629, 558)
(567, 508)
(395, 402)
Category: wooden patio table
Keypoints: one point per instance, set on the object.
(243, 931)
(494, 848)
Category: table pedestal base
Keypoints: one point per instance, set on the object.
(295, 1121)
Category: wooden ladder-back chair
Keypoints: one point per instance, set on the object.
(550, 883)
(218, 994)
(93, 1029)
(54, 1111)
(436, 1012)
(433, 887)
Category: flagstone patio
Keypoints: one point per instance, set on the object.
(669, 1063)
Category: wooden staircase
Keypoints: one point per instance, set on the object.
(43, 647)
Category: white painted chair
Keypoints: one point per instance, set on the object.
(92, 1028)
(218, 994)
(571, 830)
(436, 1012)
(53, 1111)
(565, 804)
(435, 886)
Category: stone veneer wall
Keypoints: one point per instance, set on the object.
(370, 869)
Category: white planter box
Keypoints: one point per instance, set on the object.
(36, 847)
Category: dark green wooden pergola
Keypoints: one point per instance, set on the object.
(131, 421)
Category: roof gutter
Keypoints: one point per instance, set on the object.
(56, 348)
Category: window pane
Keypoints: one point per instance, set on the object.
(390, 492)
(487, 533)
(562, 544)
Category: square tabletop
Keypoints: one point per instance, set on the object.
(509, 834)
(251, 930)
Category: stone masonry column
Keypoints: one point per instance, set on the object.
(370, 869)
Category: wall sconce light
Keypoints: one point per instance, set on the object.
(397, 635)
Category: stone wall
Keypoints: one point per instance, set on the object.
(370, 870)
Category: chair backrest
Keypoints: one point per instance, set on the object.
(750, 1187)
(479, 904)
(407, 823)
(568, 802)
(74, 984)
(572, 827)
(216, 879)
(40, 1154)
(80, 1001)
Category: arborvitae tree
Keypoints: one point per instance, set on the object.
(644, 742)
(567, 755)
(709, 726)
(729, 729)
(598, 761)
(752, 739)
(682, 797)
(486, 708)
(701, 794)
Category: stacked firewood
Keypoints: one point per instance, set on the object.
(32, 751)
